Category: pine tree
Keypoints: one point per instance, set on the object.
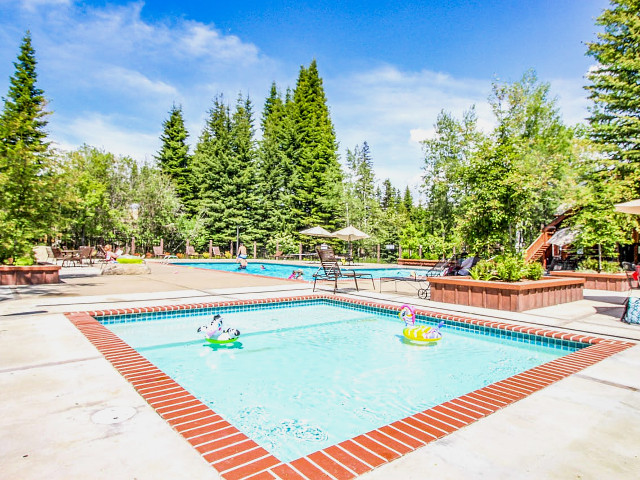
(173, 156)
(211, 162)
(276, 178)
(26, 173)
(315, 159)
(615, 88)
(224, 170)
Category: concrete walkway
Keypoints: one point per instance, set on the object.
(66, 413)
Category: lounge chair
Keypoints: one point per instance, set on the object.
(191, 252)
(158, 251)
(216, 252)
(421, 282)
(278, 255)
(330, 270)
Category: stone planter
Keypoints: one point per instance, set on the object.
(513, 297)
(31, 275)
(613, 282)
(414, 262)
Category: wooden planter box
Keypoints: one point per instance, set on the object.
(31, 275)
(614, 282)
(513, 297)
(414, 262)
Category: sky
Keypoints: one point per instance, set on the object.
(111, 71)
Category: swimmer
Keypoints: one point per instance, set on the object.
(296, 274)
(262, 267)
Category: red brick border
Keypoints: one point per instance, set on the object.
(235, 456)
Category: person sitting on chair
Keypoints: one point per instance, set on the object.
(110, 255)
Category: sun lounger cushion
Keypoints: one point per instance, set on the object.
(632, 313)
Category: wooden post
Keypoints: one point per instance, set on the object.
(162, 245)
(420, 251)
(300, 252)
(255, 250)
(186, 248)
(133, 245)
(399, 251)
(231, 248)
(378, 252)
(210, 248)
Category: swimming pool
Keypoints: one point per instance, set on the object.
(235, 455)
(284, 271)
(303, 378)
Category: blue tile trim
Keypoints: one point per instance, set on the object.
(387, 311)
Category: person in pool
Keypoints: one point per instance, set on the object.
(242, 256)
(296, 274)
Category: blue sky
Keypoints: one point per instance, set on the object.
(112, 70)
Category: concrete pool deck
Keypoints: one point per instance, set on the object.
(67, 413)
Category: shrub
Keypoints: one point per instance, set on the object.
(180, 255)
(483, 270)
(533, 271)
(24, 261)
(509, 268)
(588, 265)
(227, 255)
(129, 260)
(205, 255)
(611, 267)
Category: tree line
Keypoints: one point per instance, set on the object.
(270, 178)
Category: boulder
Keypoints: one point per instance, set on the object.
(125, 269)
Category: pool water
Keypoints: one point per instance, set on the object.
(303, 378)
(284, 271)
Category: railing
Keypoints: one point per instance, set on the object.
(538, 243)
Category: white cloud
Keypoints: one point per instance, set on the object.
(394, 110)
(135, 82)
(106, 133)
(31, 5)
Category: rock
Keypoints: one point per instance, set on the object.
(125, 269)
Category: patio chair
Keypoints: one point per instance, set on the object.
(278, 255)
(158, 251)
(57, 255)
(421, 282)
(330, 270)
(101, 254)
(191, 252)
(84, 253)
(216, 252)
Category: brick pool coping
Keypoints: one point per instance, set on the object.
(235, 456)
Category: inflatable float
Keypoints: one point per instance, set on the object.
(420, 334)
(423, 333)
(215, 333)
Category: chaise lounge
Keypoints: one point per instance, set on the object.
(330, 270)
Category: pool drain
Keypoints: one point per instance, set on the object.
(113, 415)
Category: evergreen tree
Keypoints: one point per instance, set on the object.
(615, 89)
(211, 162)
(173, 156)
(27, 175)
(224, 171)
(276, 178)
(315, 159)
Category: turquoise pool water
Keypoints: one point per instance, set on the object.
(302, 378)
(284, 271)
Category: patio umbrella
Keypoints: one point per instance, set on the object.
(350, 234)
(629, 207)
(316, 232)
(562, 237)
